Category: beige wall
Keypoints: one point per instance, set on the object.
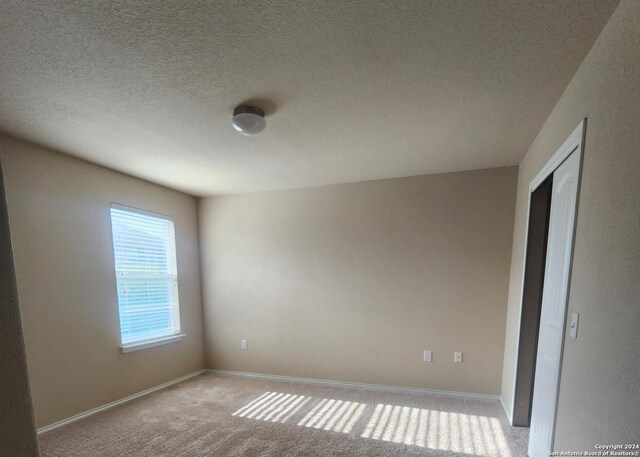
(600, 382)
(352, 282)
(59, 215)
(17, 426)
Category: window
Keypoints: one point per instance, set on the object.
(146, 277)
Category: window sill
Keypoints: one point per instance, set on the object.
(137, 346)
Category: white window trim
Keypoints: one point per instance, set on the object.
(139, 345)
(161, 340)
(134, 209)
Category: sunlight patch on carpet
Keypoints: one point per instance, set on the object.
(440, 430)
(469, 434)
(333, 415)
(273, 407)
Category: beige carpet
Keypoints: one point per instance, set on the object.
(215, 415)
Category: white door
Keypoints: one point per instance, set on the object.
(554, 304)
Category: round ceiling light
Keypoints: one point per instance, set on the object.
(248, 120)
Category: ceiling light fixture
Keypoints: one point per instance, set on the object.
(248, 120)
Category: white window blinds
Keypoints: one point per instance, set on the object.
(146, 275)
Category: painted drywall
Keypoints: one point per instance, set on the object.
(60, 225)
(352, 282)
(599, 399)
(18, 435)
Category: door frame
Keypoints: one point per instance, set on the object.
(575, 142)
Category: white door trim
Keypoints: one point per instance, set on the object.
(573, 142)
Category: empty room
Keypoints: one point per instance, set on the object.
(319, 228)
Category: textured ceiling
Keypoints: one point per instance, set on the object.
(353, 90)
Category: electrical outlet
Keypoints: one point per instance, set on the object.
(243, 345)
(457, 357)
(426, 356)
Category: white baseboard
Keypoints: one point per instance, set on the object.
(357, 385)
(506, 411)
(93, 411)
(325, 382)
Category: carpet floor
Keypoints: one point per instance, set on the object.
(218, 415)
